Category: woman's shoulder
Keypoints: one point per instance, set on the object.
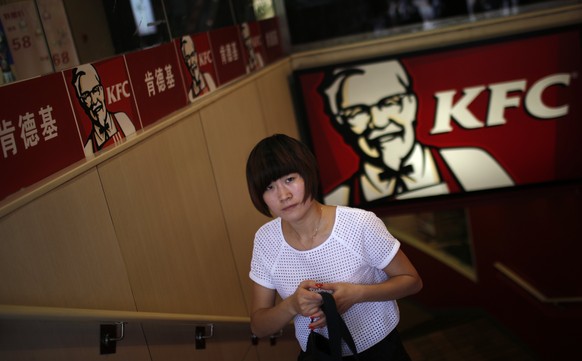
(355, 213)
(269, 239)
(269, 229)
(348, 218)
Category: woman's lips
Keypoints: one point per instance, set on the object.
(288, 208)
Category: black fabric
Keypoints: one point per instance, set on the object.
(390, 348)
(320, 348)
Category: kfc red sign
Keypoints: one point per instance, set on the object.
(199, 73)
(38, 134)
(156, 81)
(272, 41)
(103, 102)
(227, 52)
(252, 45)
(481, 117)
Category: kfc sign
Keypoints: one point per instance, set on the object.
(38, 134)
(500, 98)
(459, 120)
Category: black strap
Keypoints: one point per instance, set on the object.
(336, 327)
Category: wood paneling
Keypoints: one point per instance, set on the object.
(230, 342)
(165, 225)
(164, 204)
(61, 250)
(286, 347)
(233, 125)
(58, 341)
(276, 102)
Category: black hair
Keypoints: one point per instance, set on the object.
(274, 157)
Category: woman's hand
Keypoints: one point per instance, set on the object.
(306, 302)
(402, 280)
(344, 294)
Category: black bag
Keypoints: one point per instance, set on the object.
(320, 348)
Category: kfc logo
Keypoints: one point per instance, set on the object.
(501, 96)
(118, 91)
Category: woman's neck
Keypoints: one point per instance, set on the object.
(306, 233)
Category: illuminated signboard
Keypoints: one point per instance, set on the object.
(484, 116)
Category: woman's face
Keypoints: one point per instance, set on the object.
(284, 197)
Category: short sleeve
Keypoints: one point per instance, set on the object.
(266, 248)
(259, 272)
(379, 246)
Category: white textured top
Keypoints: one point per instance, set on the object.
(357, 250)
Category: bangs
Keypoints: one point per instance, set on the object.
(275, 157)
(275, 164)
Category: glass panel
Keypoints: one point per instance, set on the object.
(23, 48)
(135, 24)
(312, 21)
(187, 17)
(41, 36)
(264, 9)
(38, 37)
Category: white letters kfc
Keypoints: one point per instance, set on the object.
(205, 57)
(500, 98)
(115, 92)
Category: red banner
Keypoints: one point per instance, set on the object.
(227, 52)
(48, 123)
(197, 65)
(272, 41)
(252, 44)
(103, 102)
(156, 81)
(38, 134)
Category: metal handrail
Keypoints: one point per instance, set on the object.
(18, 312)
(531, 289)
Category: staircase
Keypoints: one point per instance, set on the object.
(457, 335)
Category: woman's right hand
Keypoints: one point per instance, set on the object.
(306, 302)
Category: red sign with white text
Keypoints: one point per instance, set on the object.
(487, 116)
(272, 41)
(197, 65)
(38, 134)
(228, 57)
(103, 102)
(113, 99)
(156, 82)
(252, 45)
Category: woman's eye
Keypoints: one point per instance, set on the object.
(290, 179)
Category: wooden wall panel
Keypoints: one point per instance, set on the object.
(26, 340)
(175, 342)
(276, 100)
(167, 215)
(233, 125)
(61, 251)
(286, 347)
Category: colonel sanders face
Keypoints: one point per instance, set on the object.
(375, 110)
(190, 57)
(90, 93)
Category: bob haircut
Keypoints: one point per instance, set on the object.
(274, 157)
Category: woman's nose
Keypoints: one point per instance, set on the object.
(284, 193)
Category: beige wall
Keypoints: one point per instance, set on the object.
(161, 224)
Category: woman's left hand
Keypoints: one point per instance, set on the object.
(344, 294)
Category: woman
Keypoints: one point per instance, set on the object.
(310, 246)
